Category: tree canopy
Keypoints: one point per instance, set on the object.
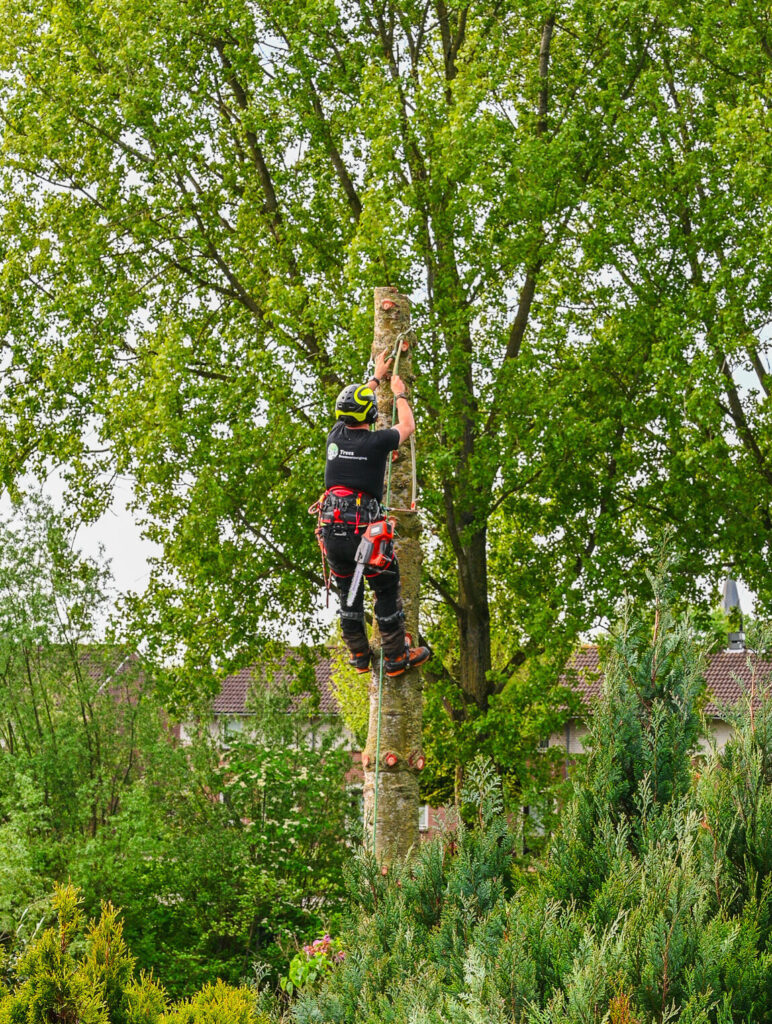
(197, 200)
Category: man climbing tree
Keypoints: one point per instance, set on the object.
(353, 480)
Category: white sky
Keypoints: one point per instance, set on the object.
(116, 533)
(120, 537)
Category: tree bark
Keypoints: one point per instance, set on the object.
(474, 621)
(393, 831)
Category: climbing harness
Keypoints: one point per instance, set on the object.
(341, 508)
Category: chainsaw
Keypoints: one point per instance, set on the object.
(376, 548)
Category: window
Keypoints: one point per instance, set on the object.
(423, 818)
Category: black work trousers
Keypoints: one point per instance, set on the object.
(340, 545)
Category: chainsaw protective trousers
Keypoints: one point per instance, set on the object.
(340, 545)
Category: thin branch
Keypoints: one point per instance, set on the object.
(444, 593)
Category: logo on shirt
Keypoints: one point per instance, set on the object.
(332, 450)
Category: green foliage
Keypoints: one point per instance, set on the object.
(216, 1004)
(351, 689)
(56, 984)
(312, 963)
(222, 862)
(73, 711)
(637, 916)
(83, 972)
(735, 791)
(223, 850)
(665, 918)
(527, 707)
(644, 735)
(193, 221)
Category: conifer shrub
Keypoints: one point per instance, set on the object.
(735, 792)
(645, 731)
(81, 972)
(653, 905)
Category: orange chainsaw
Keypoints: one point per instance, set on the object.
(376, 549)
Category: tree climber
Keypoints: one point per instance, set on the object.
(353, 478)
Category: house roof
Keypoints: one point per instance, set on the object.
(727, 676)
(233, 698)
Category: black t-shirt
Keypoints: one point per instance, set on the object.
(357, 458)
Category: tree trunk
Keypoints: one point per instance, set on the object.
(473, 617)
(393, 831)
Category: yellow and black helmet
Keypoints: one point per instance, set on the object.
(356, 404)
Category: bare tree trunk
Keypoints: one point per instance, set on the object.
(473, 617)
(396, 823)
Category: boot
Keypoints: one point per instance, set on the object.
(411, 657)
(360, 661)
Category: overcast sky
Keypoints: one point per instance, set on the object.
(117, 532)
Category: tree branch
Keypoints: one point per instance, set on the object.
(444, 593)
(347, 184)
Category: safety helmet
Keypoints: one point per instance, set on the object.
(356, 404)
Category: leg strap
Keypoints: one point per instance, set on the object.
(388, 622)
(352, 615)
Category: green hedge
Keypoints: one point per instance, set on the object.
(654, 903)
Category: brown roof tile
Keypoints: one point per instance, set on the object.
(727, 676)
(233, 697)
(583, 672)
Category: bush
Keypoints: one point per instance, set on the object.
(654, 905)
(81, 972)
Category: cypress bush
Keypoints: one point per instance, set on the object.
(653, 904)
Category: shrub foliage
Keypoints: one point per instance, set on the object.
(653, 904)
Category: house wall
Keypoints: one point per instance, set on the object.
(572, 737)
(721, 731)
(224, 725)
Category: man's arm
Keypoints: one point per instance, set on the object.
(406, 424)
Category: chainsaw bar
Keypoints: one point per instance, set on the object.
(356, 580)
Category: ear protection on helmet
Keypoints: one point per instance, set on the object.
(356, 404)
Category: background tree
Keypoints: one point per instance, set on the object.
(72, 710)
(224, 850)
(223, 860)
(197, 201)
